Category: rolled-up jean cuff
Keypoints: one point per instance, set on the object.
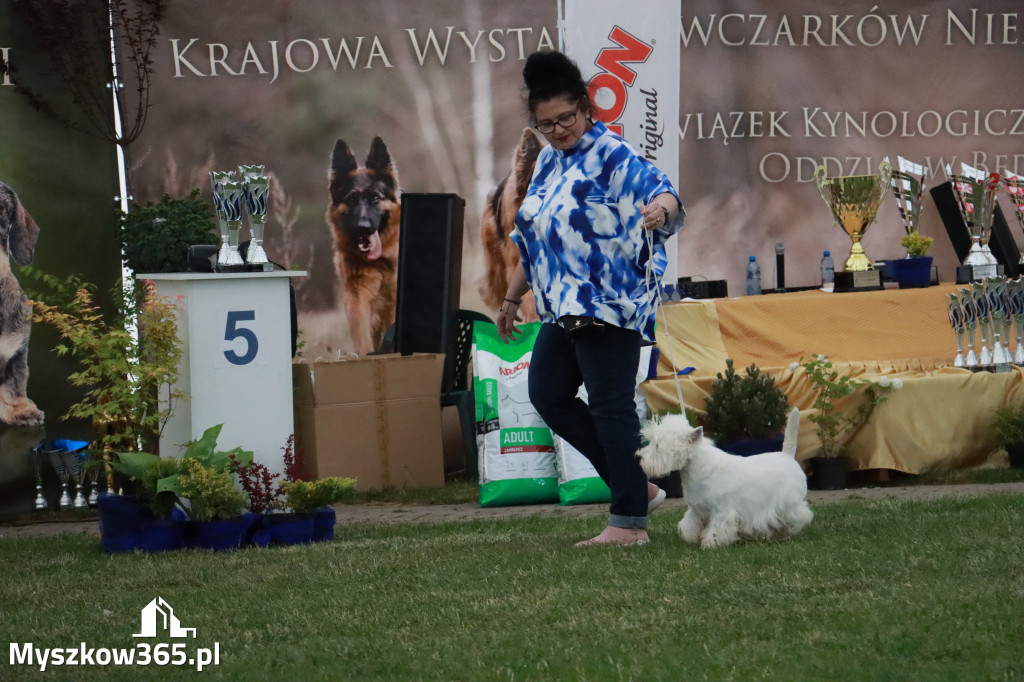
(619, 521)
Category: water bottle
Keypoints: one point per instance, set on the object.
(753, 277)
(828, 271)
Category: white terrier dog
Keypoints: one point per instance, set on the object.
(727, 496)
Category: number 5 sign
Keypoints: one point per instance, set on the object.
(235, 330)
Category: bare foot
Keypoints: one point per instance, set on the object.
(618, 536)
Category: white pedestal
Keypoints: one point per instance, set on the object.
(236, 365)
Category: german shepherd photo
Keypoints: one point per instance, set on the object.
(500, 254)
(364, 216)
(18, 236)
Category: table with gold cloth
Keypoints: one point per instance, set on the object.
(939, 420)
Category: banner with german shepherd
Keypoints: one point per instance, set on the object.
(350, 104)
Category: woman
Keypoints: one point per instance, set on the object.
(584, 246)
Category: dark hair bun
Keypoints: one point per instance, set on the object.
(552, 74)
(545, 69)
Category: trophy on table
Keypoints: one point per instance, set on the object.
(1015, 297)
(1014, 185)
(227, 204)
(1007, 291)
(956, 320)
(256, 186)
(908, 183)
(975, 192)
(854, 202)
(970, 312)
(995, 290)
(984, 312)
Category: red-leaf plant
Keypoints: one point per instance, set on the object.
(264, 488)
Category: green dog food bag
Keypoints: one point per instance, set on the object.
(516, 449)
(578, 482)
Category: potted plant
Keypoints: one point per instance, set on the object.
(830, 466)
(290, 514)
(745, 414)
(160, 516)
(155, 237)
(216, 505)
(1008, 427)
(915, 270)
(122, 373)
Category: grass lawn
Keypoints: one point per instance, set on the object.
(871, 591)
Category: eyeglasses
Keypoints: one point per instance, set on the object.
(565, 120)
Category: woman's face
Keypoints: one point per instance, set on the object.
(560, 121)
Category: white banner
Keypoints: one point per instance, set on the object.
(631, 60)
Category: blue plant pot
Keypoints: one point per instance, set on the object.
(162, 535)
(121, 519)
(912, 272)
(284, 529)
(220, 534)
(323, 524)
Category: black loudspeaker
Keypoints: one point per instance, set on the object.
(201, 257)
(430, 277)
(1003, 247)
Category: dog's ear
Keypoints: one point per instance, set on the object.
(23, 237)
(695, 436)
(523, 162)
(379, 161)
(343, 164)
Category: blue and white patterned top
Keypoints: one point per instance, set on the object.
(580, 232)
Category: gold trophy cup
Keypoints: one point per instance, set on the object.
(854, 201)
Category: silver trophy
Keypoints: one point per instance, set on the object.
(1007, 294)
(40, 502)
(975, 191)
(956, 320)
(80, 472)
(970, 311)
(256, 187)
(981, 307)
(908, 185)
(62, 466)
(995, 291)
(229, 221)
(1015, 294)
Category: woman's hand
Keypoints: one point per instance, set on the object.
(655, 216)
(508, 314)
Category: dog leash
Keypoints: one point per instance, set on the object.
(650, 274)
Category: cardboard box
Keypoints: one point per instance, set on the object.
(376, 419)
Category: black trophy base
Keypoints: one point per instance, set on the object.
(965, 274)
(994, 368)
(859, 280)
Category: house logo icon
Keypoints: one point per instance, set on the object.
(159, 614)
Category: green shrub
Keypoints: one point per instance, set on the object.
(156, 237)
(1008, 424)
(744, 407)
(307, 496)
(211, 494)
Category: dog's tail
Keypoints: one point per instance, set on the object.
(792, 432)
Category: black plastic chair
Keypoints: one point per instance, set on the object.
(460, 392)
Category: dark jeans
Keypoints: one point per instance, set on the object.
(607, 431)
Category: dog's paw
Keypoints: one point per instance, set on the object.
(22, 413)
